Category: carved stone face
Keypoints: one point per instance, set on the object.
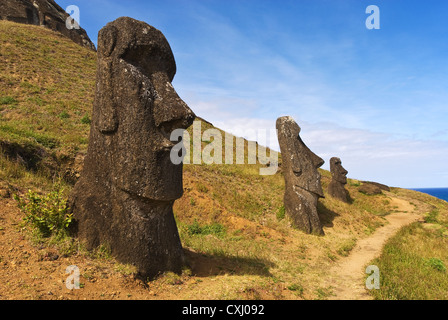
(299, 162)
(138, 110)
(338, 172)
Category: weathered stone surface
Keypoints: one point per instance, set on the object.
(302, 179)
(369, 189)
(128, 185)
(45, 13)
(338, 180)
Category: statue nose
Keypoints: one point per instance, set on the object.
(317, 161)
(170, 111)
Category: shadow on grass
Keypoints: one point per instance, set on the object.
(204, 265)
(326, 215)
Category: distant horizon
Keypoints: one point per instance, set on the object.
(374, 98)
(430, 188)
(441, 193)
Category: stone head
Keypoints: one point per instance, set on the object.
(338, 172)
(300, 164)
(136, 108)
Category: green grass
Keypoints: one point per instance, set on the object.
(86, 119)
(346, 247)
(20, 135)
(209, 229)
(7, 100)
(281, 213)
(41, 86)
(431, 217)
(413, 263)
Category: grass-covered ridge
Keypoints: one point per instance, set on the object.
(231, 219)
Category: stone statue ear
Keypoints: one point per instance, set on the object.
(108, 122)
(296, 165)
(107, 38)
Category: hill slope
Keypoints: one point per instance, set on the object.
(231, 219)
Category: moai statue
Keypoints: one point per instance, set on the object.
(338, 179)
(302, 179)
(126, 191)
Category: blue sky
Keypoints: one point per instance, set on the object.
(375, 98)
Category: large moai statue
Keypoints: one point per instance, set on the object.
(338, 180)
(302, 179)
(126, 191)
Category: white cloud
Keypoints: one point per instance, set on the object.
(367, 155)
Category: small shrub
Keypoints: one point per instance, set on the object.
(86, 119)
(194, 228)
(172, 278)
(47, 214)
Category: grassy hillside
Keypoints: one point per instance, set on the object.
(231, 219)
(414, 262)
(46, 92)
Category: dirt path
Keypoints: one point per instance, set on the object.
(347, 278)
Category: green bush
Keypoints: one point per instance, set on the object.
(47, 214)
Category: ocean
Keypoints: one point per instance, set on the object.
(441, 193)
